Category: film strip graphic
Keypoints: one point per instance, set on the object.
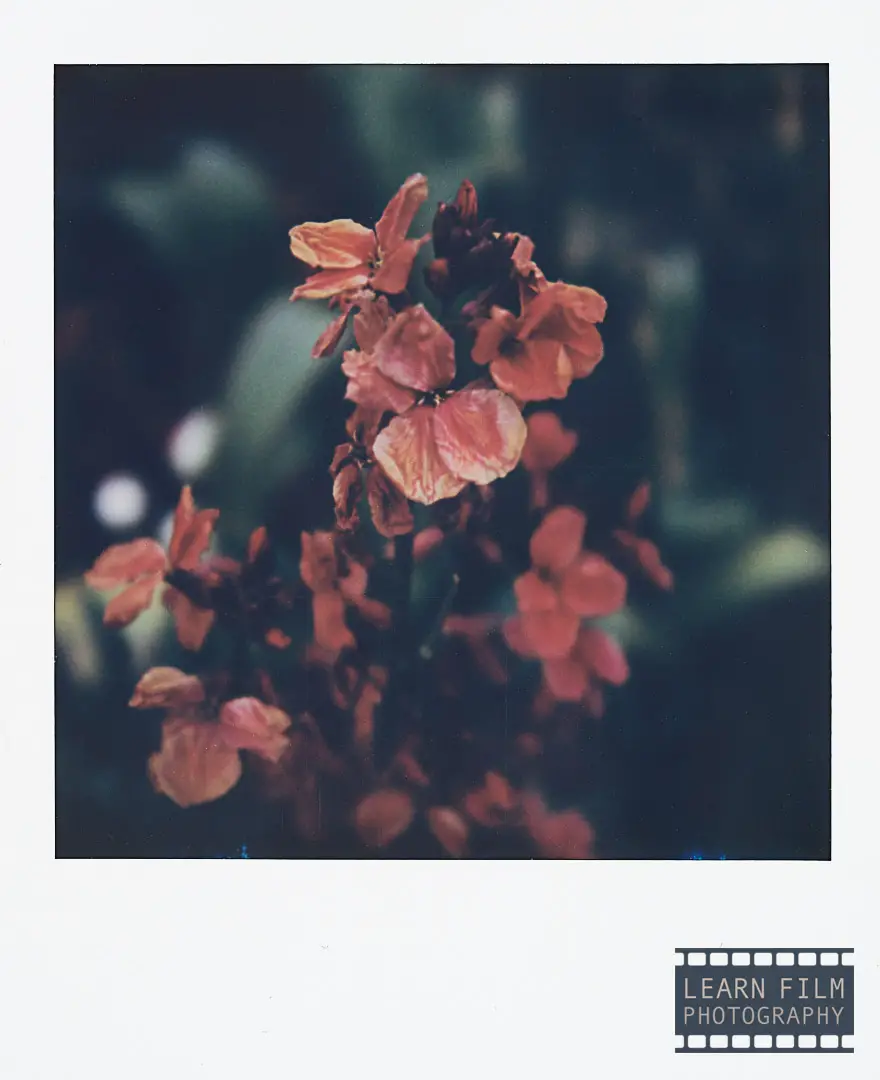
(777, 1000)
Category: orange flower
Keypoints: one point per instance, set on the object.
(548, 445)
(333, 591)
(198, 760)
(141, 566)
(564, 585)
(350, 256)
(554, 340)
(644, 552)
(433, 452)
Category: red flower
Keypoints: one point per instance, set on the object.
(644, 552)
(198, 760)
(557, 836)
(141, 566)
(548, 445)
(383, 816)
(350, 256)
(554, 340)
(333, 591)
(595, 659)
(564, 585)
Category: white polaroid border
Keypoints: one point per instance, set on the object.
(323, 969)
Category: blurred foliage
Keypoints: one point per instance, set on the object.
(695, 199)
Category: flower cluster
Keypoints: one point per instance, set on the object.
(363, 726)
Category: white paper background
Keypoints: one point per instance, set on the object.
(226, 968)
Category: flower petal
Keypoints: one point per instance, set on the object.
(515, 636)
(167, 688)
(648, 557)
(194, 764)
(398, 215)
(592, 587)
(557, 541)
(330, 337)
(407, 451)
(249, 724)
(331, 283)
(548, 443)
(191, 621)
(479, 434)
(540, 370)
(367, 386)
(330, 630)
(602, 656)
(388, 506)
(125, 607)
(333, 245)
(550, 635)
(491, 333)
(450, 829)
(415, 351)
(557, 836)
(371, 322)
(317, 565)
(393, 273)
(565, 678)
(123, 563)
(535, 594)
(383, 816)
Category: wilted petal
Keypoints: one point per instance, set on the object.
(333, 245)
(592, 587)
(602, 656)
(550, 635)
(416, 351)
(328, 283)
(407, 451)
(249, 724)
(398, 215)
(479, 434)
(388, 506)
(347, 488)
(548, 443)
(330, 337)
(194, 764)
(127, 605)
(566, 679)
(369, 387)
(383, 816)
(328, 614)
(166, 688)
(557, 541)
(450, 828)
(393, 273)
(123, 563)
(191, 621)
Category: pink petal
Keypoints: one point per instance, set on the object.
(407, 450)
(557, 541)
(480, 434)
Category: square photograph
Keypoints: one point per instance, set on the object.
(442, 462)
